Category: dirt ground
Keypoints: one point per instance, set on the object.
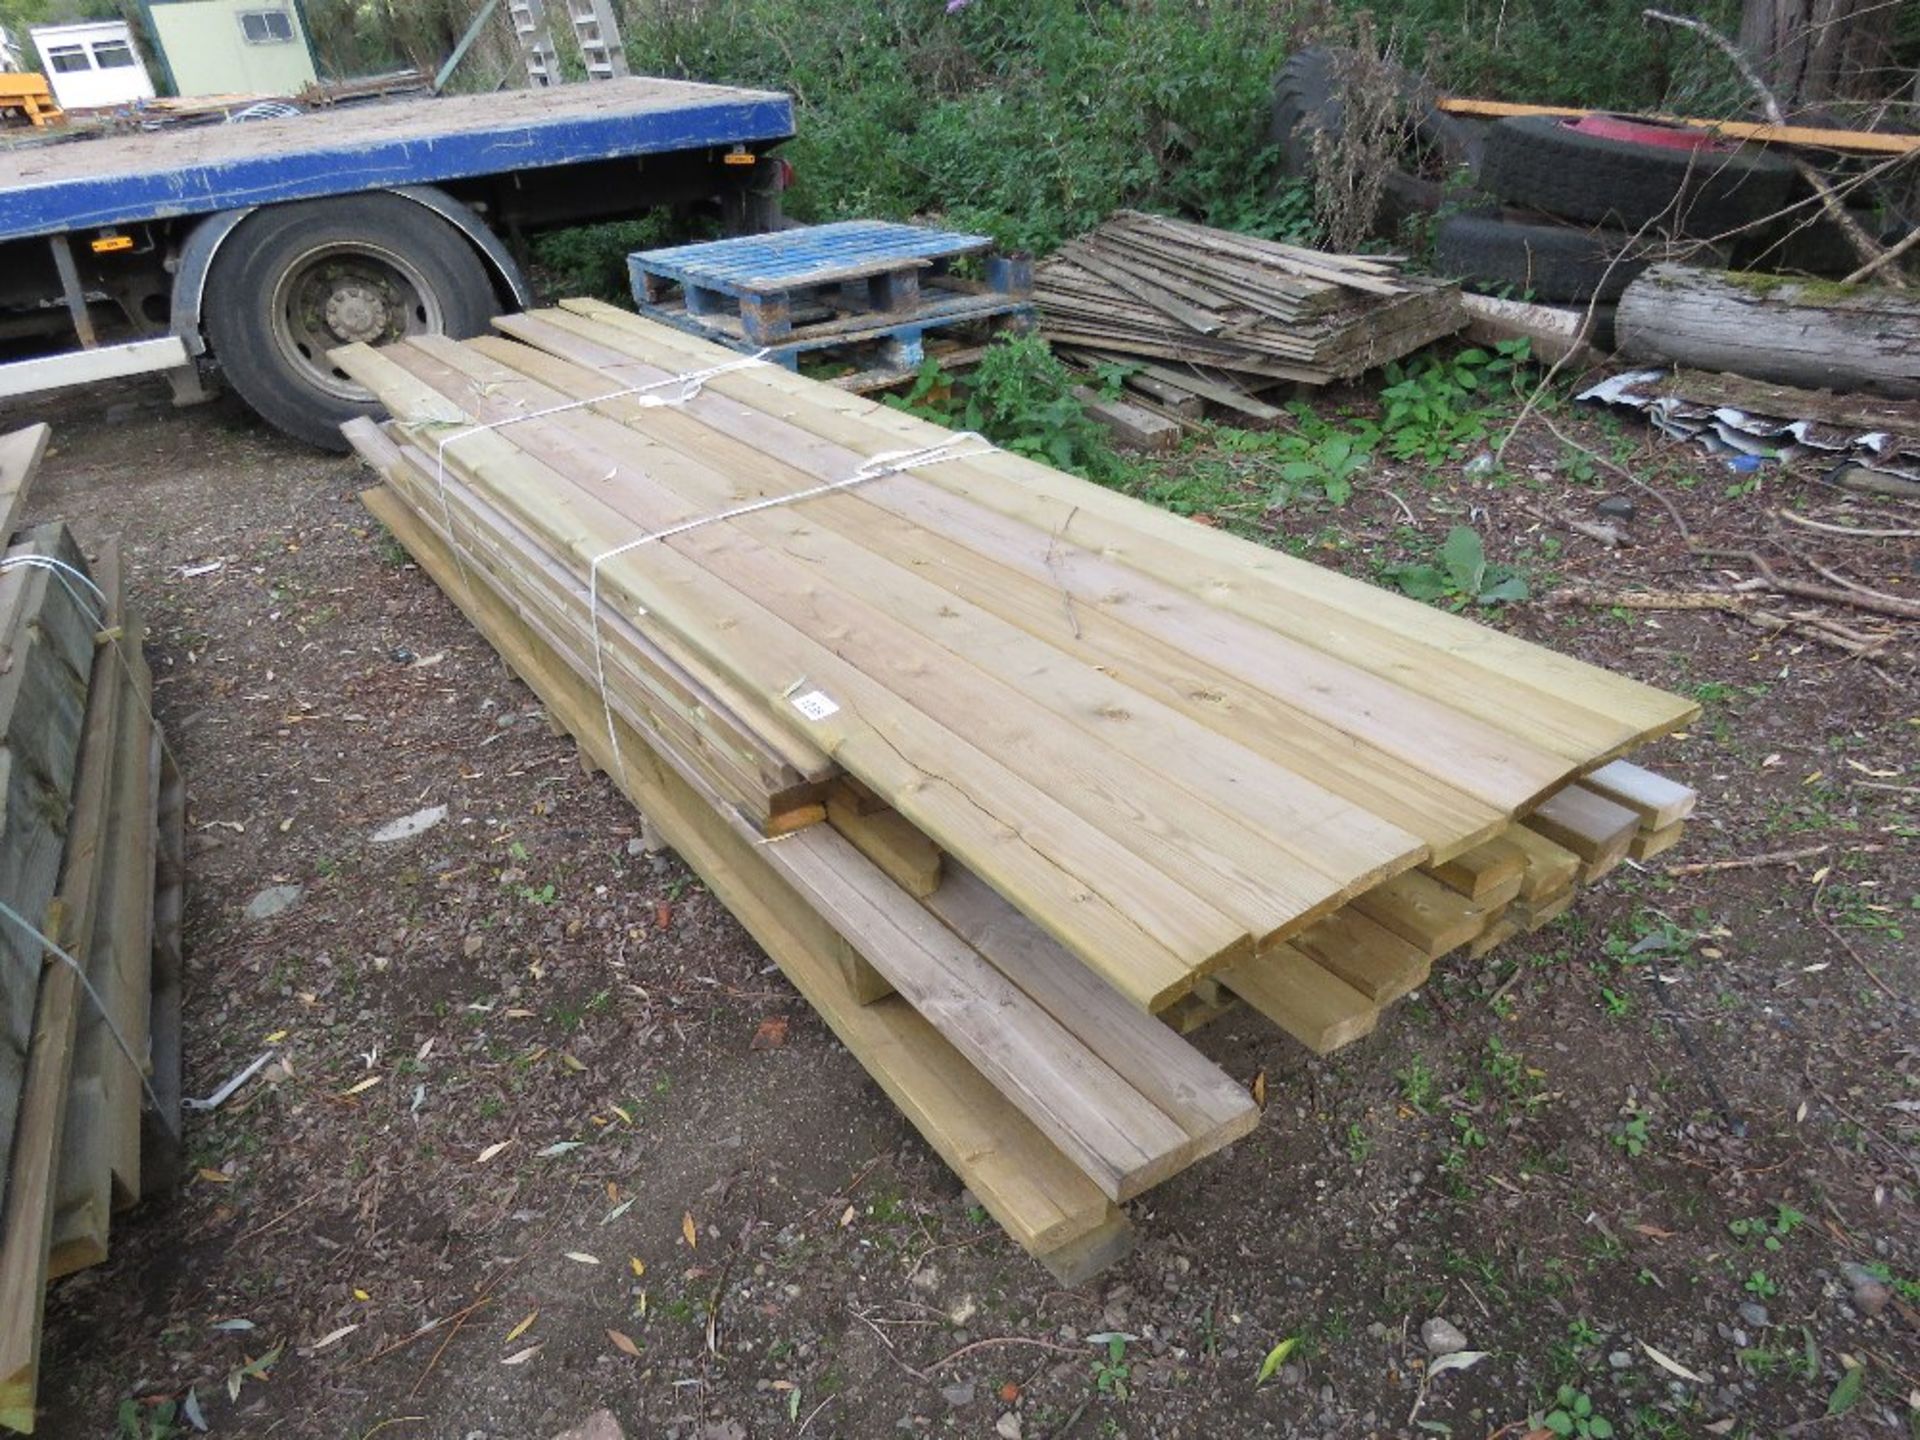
(1661, 1154)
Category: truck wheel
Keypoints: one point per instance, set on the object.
(295, 281)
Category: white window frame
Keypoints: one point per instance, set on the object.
(267, 15)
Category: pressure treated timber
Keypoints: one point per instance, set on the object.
(1161, 642)
(20, 454)
(1481, 872)
(99, 1168)
(161, 1149)
(1648, 843)
(1658, 801)
(1372, 959)
(46, 656)
(1589, 824)
(1504, 927)
(1532, 915)
(1572, 708)
(1316, 1008)
(1292, 634)
(885, 837)
(1286, 855)
(1551, 869)
(28, 1221)
(1421, 910)
(1044, 1202)
(1195, 1093)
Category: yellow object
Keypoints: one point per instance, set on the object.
(108, 244)
(28, 93)
(1865, 142)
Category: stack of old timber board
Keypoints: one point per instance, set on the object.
(86, 783)
(997, 764)
(1211, 314)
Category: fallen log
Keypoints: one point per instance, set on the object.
(1798, 332)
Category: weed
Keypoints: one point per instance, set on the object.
(1769, 1231)
(1760, 1284)
(1359, 1143)
(1630, 1133)
(154, 1424)
(1430, 404)
(1019, 396)
(1462, 575)
(1573, 1414)
(1583, 1334)
(1417, 1085)
(1111, 1373)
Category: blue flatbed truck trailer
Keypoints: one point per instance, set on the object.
(245, 252)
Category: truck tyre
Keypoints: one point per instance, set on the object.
(1552, 263)
(1606, 170)
(295, 281)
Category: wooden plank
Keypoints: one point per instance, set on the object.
(20, 454)
(1587, 823)
(1099, 1121)
(100, 1150)
(1195, 1093)
(1421, 910)
(38, 1135)
(1193, 1012)
(1551, 869)
(1532, 915)
(1043, 1201)
(1152, 638)
(1484, 870)
(1574, 710)
(1132, 426)
(1658, 801)
(1504, 928)
(884, 836)
(1372, 959)
(90, 367)
(1648, 843)
(1858, 142)
(46, 657)
(1226, 815)
(1312, 1005)
(161, 1149)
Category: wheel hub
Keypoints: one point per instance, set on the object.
(357, 312)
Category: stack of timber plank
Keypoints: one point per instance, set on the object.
(1211, 314)
(1014, 776)
(86, 782)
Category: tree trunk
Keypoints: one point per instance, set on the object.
(1811, 52)
(1809, 333)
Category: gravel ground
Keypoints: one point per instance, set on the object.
(1657, 1161)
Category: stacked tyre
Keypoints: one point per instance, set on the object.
(1558, 209)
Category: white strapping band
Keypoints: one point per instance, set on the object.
(877, 467)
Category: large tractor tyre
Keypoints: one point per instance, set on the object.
(293, 282)
(1551, 263)
(1628, 174)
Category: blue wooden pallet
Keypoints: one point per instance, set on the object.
(869, 290)
(850, 282)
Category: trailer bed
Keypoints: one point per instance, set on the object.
(119, 180)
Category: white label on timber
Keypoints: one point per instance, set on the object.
(815, 705)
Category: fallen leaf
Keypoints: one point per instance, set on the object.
(846, 1217)
(581, 1257)
(233, 1325)
(559, 1147)
(571, 1063)
(1670, 1365)
(618, 1210)
(624, 1343)
(637, 1265)
(771, 1035)
(520, 1357)
(662, 915)
(1459, 1360)
(276, 1037)
(517, 1331)
(1009, 1393)
(1275, 1358)
(1259, 1089)
(215, 1177)
(491, 1151)
(623, 1114)
(686, 1229)
(1654, 1232)
(332, 1337)
(1847, 1392)
(366, 1084)
(360, 1294)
